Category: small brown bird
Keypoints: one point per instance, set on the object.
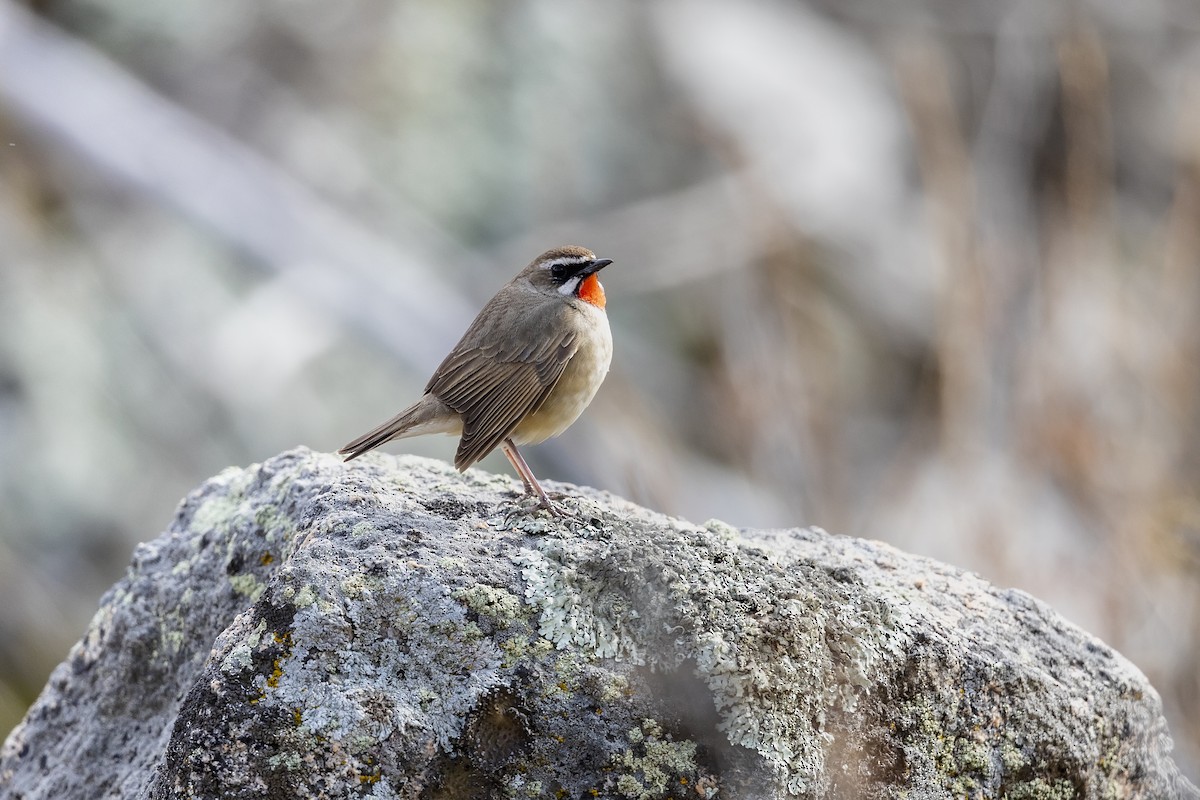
(523, 372)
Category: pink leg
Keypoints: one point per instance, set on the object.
(531, 484)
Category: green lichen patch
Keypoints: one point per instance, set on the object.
(248, 585)
(654, 765)
(499, 606)
(1041, 789)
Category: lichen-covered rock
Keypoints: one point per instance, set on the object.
(392, 629)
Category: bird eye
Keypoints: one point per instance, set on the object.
(558, 272)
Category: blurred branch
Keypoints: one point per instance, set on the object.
(83, 101)
(1089, 189)
(963, 313)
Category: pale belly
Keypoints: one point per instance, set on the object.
(575, 389)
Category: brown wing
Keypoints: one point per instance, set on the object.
(495, 384)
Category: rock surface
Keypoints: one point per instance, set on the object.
(393, 629)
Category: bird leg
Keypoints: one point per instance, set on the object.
(532, 486)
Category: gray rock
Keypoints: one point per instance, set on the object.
(391, 628)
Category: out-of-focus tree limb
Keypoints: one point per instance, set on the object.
(81, 100)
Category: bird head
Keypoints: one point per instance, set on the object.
(569, 272)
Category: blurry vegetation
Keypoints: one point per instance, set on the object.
(926, 272)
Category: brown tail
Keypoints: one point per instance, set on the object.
(427, 415)
(394, 428)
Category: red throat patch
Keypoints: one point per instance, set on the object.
(591, 291)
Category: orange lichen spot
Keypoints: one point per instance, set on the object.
(266, 558)
(276, 674)
(297, 717)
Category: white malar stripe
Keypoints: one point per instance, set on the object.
(568, 287)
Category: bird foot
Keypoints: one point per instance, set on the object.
(550, 506)
(530, 504)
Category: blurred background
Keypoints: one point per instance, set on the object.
(921, 271)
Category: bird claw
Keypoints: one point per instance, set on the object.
(552, 508)
(530, 504)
